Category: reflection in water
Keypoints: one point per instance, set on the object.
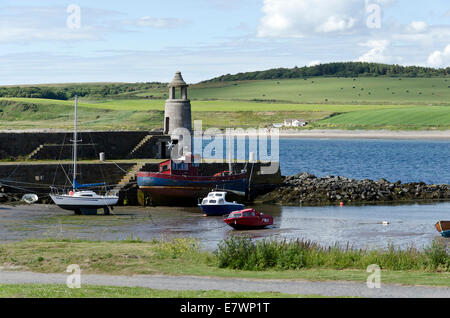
(359, 226)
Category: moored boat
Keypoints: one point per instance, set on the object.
(248, 219)
(443, 227)
(216, 204)
(82, 201)
(179, 183)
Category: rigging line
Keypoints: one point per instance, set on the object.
(23, 189)
(33, 185)
(95, 150)
(29, 183)
(68, 179)
(59, 158)
(119, 167)
(14, 171)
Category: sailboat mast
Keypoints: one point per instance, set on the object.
(75, 146)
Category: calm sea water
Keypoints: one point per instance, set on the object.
(405, 160)
(359, 226)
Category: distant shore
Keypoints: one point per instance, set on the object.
(364, 134)
(319, 133)
(367, 134)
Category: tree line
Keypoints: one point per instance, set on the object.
(69, 92)
(338, 69)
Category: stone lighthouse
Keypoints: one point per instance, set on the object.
(177, 112)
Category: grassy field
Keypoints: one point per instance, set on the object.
(91, 291)
(361, 90)
(327, 103)
(412, 118)
(179, 257)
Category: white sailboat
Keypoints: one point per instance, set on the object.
(82, 201)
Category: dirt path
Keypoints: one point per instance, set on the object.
(330, 288)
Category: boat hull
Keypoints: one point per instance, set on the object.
(249, 222)
(81, 203)
(214, 210)
(242, 224)
(247, 227)
(166, 189)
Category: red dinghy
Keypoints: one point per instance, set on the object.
(248, 219)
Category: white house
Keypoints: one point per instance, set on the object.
(294, 123)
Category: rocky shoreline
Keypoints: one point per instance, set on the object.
(307, 189)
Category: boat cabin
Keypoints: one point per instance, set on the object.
(187, 165)
(215, 198)
(79, 194)
(244, 213)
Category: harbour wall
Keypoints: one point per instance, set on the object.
(58, 145)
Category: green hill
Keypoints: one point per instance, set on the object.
(419, 100)
(337, 69)
(323, 90)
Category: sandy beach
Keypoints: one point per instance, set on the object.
(361, 134)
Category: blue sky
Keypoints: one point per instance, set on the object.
(136, 41)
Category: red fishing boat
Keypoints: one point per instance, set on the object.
(248, 219)
(180, 183)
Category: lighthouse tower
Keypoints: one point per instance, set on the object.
(177, 112)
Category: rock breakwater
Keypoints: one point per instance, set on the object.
(307, 189)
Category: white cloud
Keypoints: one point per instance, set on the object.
(298, 18)
(20, 24)
(18, 34)
(336, 24)
(376, 53)
(159, 23)
(313, 63)
(440, 58)
(417, 27)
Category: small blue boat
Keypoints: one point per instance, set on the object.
(216, 204)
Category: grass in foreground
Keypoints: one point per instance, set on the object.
(91, 291)
(246, 254)
(183, 257)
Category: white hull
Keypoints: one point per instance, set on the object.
(69, 202)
